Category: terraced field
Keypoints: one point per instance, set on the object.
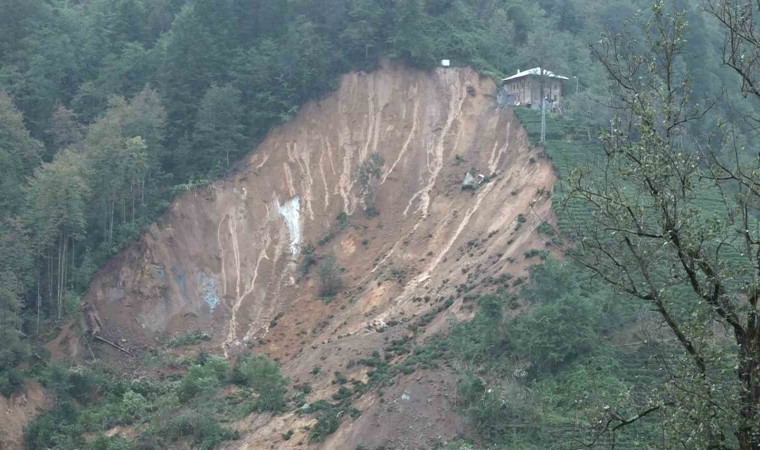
(637, 366)
(568, 147)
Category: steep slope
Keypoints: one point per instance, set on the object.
(17, 410)
(228, 257)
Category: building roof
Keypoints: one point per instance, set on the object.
(535, 71)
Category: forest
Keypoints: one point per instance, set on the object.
(111, 108)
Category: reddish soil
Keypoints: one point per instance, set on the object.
(226, 260)
(17, 411)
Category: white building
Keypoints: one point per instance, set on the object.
(526, 88)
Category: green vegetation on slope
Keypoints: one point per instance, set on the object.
(111, 108)
(191, 407)
(108, 109)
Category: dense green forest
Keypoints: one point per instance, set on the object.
(109, 108)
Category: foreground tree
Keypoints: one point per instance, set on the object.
(741, 48)
(675, 225)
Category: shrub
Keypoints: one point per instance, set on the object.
(493, 409)
(217, 366)
(328, 422)
(52, 429)
(188, 338)
(40, 432)
(340, 378)
(103, 442)
(369, 172)
(133, 407)
(329, 276)
(12, 351)
(309, 259)
(342, 219)
(551, 335)
(262, 375)
(546, 228)
(10, 382)
(550, 281)
(398, 273)
(543, 254)
(201, 377)
(201, 425)
(327, 237)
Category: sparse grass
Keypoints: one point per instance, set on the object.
(398, 273)
(325, 238)
(542, 254)
(187, 338)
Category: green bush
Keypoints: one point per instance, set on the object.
(188, 338)
(58, 428)
(546, 228)
(309, 259)
(40, 432)
(11, 382)
(550, 281)
(370, 170)
(328, 421)
(342, 219)
(495, 409)
(262, 375)
(203, 377)
(103, 442)
(329, 276)
(133, 406)
(553, 334)
(201, 426)
(12, 351)
(542, 254)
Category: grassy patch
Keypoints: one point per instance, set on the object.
(187, 338)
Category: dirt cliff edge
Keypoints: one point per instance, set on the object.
(229, 258)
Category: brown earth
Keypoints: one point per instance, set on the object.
(226, 258)
(17, 411)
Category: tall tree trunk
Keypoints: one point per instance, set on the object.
(132, 192)
(39, 300)
(61, 265)
(65, 270)
(749, 374)
(58, 281)
(71, 263)
(50, 279)
(110, 221)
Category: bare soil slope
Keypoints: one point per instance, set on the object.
(227, 258)
(17, 411)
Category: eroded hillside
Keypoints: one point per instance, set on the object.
(228, 258)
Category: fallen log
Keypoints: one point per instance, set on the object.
(114, 345)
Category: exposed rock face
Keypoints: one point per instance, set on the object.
(227, 258)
